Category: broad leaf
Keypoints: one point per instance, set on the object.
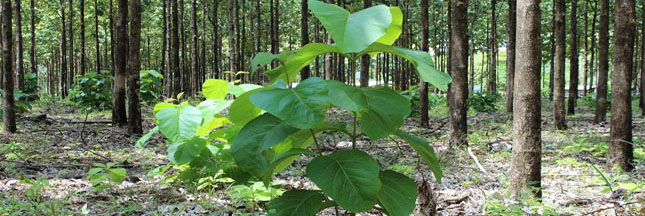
(238, 90)
(398, 194)
(385, 114)
(258, 135)
(346, 97)
(117, 175)
(215, 88)
(281, 160)
(185, 152)
(353, 32)
(141, 142)
(179, 123)
(394, 30)
(298, 60)
(296, 202)
(303, 107)
(349, 177)
(160, 106)
(214, 123)
(212, 107)
(242, 110)
(425, 150)
(420, 59)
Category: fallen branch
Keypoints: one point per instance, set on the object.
(607, 208)
(470, 152)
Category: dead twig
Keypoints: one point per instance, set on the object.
(481, 168)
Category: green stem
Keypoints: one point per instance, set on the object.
(354, 134)
(336, 209)
(316, 141)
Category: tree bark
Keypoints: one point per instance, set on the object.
(620, 143)
(275, 22)
(304, 35)
(194, 48)
(552, 72)
(593, 43)
(20, 62)
(365, 59)
(119, 115)
(586, 50)
(573, 59)
(174, 49)
(642, 87)
(492, 76)
(34, 64)
(9, 114)
(216, 58)
(424, 120)
(510, 53)
(63, 53)
(527, 141)
(560, 52)
(133, 67)
(459, 70)
(96, 34)
(231, 38)
(111, 14)
(603, 63)
(83, 66)
(72, 61)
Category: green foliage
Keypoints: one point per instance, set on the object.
(297, 202)
(150, 86)
(483, 102)
(92, 90)
(31, 87)
(104, 172)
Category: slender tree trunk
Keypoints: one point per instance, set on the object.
(194, 48)
(586, 50)
(603, 63)
(20, 65)
(174, 49)
(9, 114)
(33, 62)
(72, 57)
(164, 41)
(83, 66)
(96, 34)
(552, 68)
(118, 106)
(112, 48)
(231, 37)
(642, 87)
(216, 59)
(304, 35)
(620, 143)
(365, 59)
(510, 53)
(593, 45)
(560, 52)
(492, 76)
(527, 141)
(185, 67)
(573, 58)
(423, 86)
(275, 22)
(459, 71)
(63, 53)
(133, 67)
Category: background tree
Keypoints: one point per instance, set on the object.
(119, 115)
(63, 53)
(527, 140)
(9, 114)
(20, 65)
(174, 49)
(133, 67)
(304, 34)
(423, 86)
(34, 64)
(573, 68)
(620, 143)
(510, 54)
(83, 66)
(603, 63)
(558, 81)
(459, 70)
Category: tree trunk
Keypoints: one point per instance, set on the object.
(63, 53)
(185, 70)
(560, 52)
(216, 59)
(620, 143)
(34, 64)
(459, 71)
(275, 22)
(365, 59)
(424, 120)
(304, 35)
(593, 44)
(72, 57)
(603, 63)
(119, 116)
(174, 49)
(133, 67)
(9, 114)
(573, 59)
(552, 68)
(527, 141)
(231, 38)
(586, 51)
(20, 65)
(83, 66)
(194, 48)
(510, 53)
(642, 87)
(492, 76)
(96, 34)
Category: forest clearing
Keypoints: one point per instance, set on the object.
(312, 107)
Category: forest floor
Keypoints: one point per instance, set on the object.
(44, 168)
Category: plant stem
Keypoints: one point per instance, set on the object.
(354, 134)
(336, 209)
(316, 141)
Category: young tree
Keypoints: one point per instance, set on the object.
(558, 81)
(573, 68)
(9, 114)
(510, 53)
(304, 34)
(20, 65)
(133, 67)
(620, 143)
(527, 141)
(459, 70)
(603, 63)
(423, 86)
(174, 49)
(119, 115)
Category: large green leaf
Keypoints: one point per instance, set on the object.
(425, 150)
(242, 110)
(420, 59)
(296, 202)
(347, 97)
(258, 135)
(298, 60)
(238, 90)
(187, 151)
(398, 194)
(349, 177)
(394, 30)
(179, 123)
(215, 88)
(212, 107)
(303, 107)
(353, 32)
(385, 114)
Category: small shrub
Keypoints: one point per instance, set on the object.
(483, 102)
(150, 86)
(92, 90)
